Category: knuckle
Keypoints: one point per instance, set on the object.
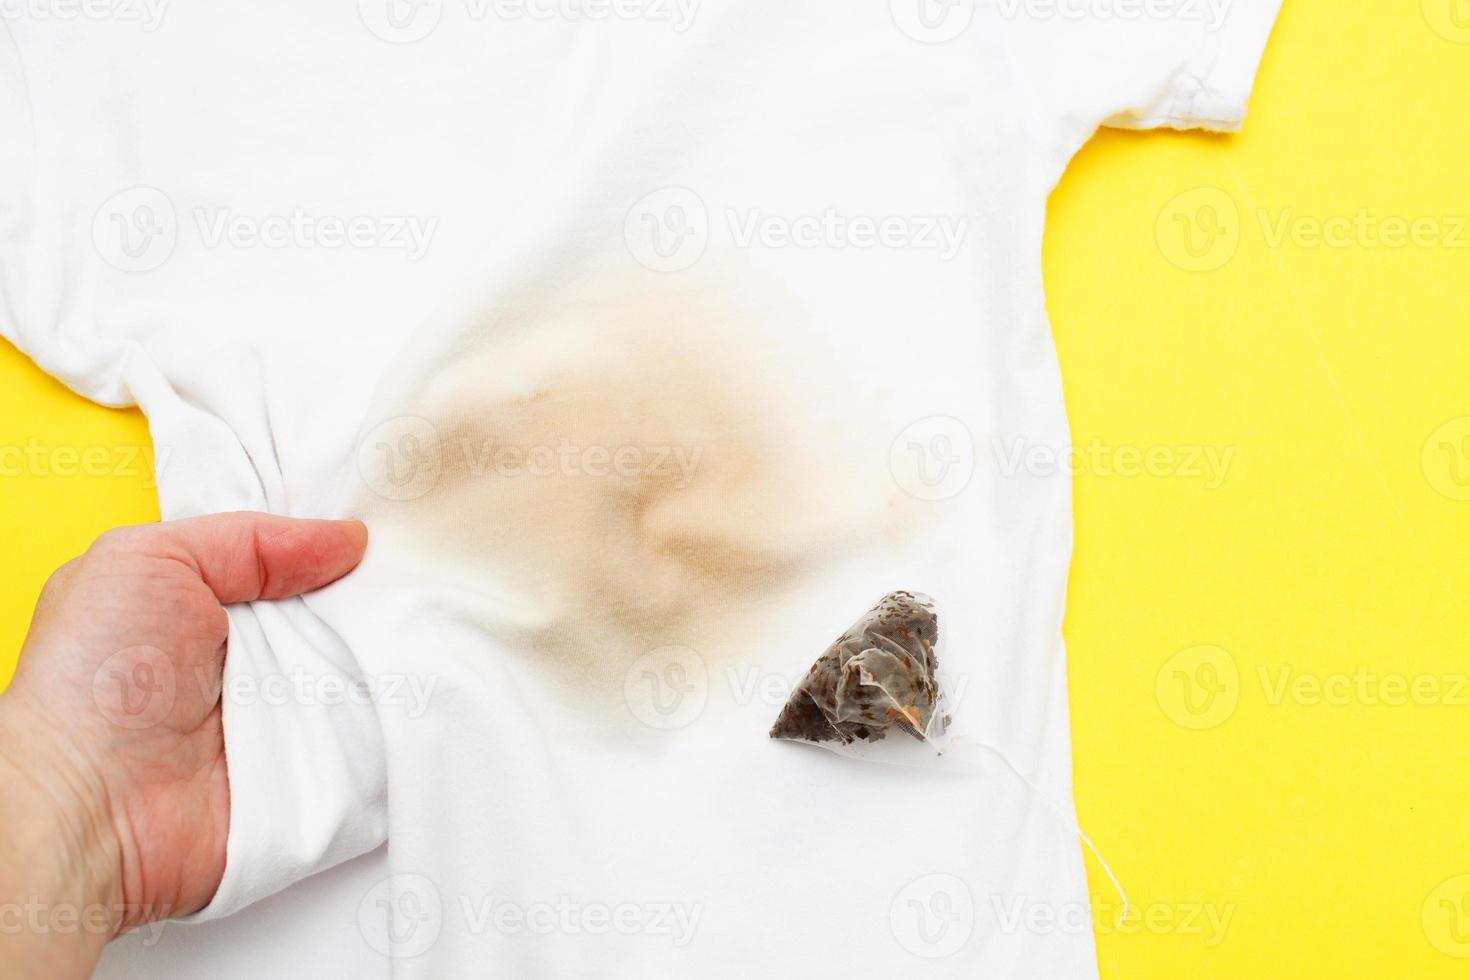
(117, 539)
(57, 582)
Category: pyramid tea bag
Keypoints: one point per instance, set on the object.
(879, 677)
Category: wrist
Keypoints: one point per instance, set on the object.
(61, 894)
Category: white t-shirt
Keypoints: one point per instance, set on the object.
(656, 340)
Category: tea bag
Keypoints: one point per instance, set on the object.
(880, 676)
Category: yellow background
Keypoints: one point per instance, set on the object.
(1328, 832)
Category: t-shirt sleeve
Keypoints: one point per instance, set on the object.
(1143, 64)
(16, 180)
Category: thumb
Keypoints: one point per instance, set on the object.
(245, 556)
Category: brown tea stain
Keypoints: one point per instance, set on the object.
(634, 462)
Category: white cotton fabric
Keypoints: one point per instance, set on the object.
(309, 239)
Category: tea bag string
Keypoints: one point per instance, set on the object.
(1056, 812)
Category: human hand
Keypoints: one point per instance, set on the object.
(113, 778)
